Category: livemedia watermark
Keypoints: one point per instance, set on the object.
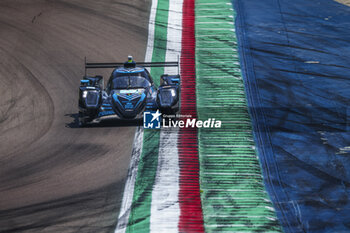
(155, 120)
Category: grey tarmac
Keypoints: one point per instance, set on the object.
(55, 176)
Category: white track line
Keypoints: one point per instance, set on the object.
(165, 209)
(130, 182)
(138, 141)
(151, 26)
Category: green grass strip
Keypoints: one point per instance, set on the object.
(232, 189)
(139, 219)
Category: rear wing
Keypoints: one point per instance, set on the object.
(105, 65)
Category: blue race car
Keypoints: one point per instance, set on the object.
(129, 92)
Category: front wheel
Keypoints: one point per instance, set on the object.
(82, 123)
(82, 120)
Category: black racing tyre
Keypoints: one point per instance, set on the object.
(81, 120)
(81, 123)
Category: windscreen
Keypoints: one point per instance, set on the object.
(130, 81)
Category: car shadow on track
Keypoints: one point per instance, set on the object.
(105, 123)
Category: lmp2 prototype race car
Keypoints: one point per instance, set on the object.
(129, 92)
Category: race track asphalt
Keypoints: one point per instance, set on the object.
(54, 176)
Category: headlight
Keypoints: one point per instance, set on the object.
(172, 92)
(85, 94)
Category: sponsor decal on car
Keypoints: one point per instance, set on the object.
(130, 91)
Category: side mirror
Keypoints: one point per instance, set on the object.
(84, 82)
(175, 80)
(169, 80)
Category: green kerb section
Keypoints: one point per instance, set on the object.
(139, 219)
(160, 39)
(232, 189)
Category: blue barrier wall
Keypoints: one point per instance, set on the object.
(296, 63)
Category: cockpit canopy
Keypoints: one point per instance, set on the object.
(130, 81)
(130, 78)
